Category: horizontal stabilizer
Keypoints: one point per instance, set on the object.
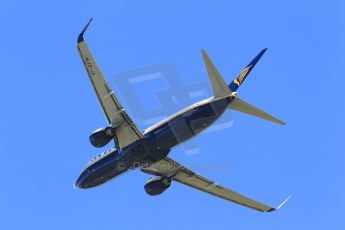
(244, 107)
(219, 87)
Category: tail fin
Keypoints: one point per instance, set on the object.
(244, 107)
(235, 84)
(219, 87)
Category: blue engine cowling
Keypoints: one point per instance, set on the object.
(156, 186)
(102, 136)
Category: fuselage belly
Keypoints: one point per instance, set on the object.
(156, 144)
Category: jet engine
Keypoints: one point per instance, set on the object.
(156, 186)
(101, 137)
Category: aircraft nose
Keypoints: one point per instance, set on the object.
(80, 183)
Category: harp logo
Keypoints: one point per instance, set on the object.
(242, 75)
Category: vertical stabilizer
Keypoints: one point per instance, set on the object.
(235, 84)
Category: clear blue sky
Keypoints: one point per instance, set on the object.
(49, 110)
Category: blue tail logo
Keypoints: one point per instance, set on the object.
(238, 80)
(235, 84)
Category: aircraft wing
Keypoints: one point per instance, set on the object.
(170, 168)
(126, 131)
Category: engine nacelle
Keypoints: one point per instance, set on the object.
(101, 137)
(156, 186)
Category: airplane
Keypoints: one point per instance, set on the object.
(149, 150)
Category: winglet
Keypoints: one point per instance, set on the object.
(81, 35)
(281, 205)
